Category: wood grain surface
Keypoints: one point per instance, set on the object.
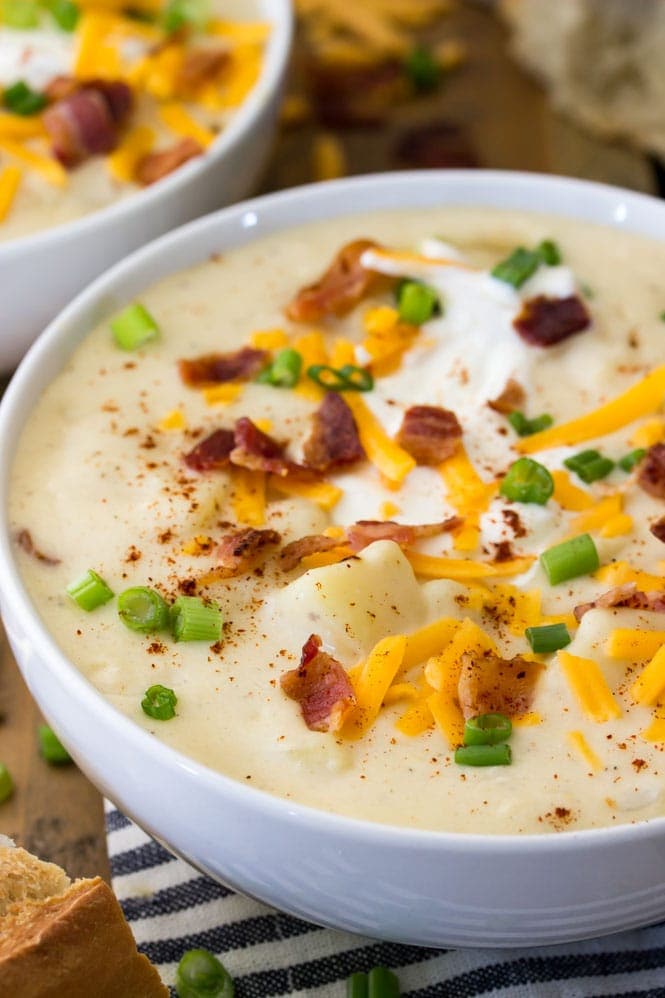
(505, 119)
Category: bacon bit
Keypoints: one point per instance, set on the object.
(212, 453)
(321, 686)
(546, 321)
(61, 87)
(658, 529)
(87, 121)
(429, 433)
(217, 368)
(334, 438)
(651, 471)
(201, 65)
(258, 451)
(343, 285)
(243, 549)
(511, 398)
(156, 165)
(627, 597)
(489, 685)
(26, 543)
(294, 552)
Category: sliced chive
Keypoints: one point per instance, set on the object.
(422, 69)
(527, 481)
(134, 327)
(628, 461)
(518, 267)
(187, 14)
(23, 100)
(89, 591)
(382, 983)
(51, 748)
(6, 783)
(549, 637)
(20, 13)
(201, 975)
(587, 290)
(284, 371)
(574, 557)
(159, 702)
(525, 427)
(356, 985)
(549, 252)
(194, 620)
(65, 13)
(342, 379)
(662, 316)
(484, 755)
(416, 302)
(143, 609)
(589, 465)
(487, 729)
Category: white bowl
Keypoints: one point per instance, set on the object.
(40, 273)
(429, 888)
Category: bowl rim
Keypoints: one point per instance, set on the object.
(274, 65)
(17, 605)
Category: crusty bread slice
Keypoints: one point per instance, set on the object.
(64, 940)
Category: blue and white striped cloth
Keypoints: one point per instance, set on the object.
(172, 908)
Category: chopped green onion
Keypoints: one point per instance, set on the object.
(134, 327)
(662, 316)
(64, 12)
(484, 755)
(527, 481)
(89, 591)
(51, 748)
(343, 379)
(518, 267)
(284, 371)
(422, 69)
(382, 983)
(194, 620)
(187, 14)
(142, 609)
(587, 290)
(22, 99)
(487, 729)
(549, 637)
(589, 465)
(6, 783)
(356, 985)
(201, 975)
(549, 252)
(159, 702)
(416, 302)
(628, 461)
(576, 556)
(524, 427)
(20, 13)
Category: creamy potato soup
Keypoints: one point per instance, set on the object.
(391, 490)
(99, 98)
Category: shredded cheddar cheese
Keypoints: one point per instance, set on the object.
(581, 745)
(468, 494)
(386, 455)
(462, 569)
(222, 394)
(249, 496)
(416, 720)
(324, 494)
(174, 420)
(136, 144)
(372, 683)
(651, 682)
(634, 645)
(618, 573)
(588, 683)
(268, 339)
(649, 433)
(10, 179)
(180, 121)
(47, 167)
(569, 496)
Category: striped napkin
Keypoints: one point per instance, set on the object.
(172, 908)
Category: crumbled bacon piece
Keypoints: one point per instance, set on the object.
(321, 686)
(429, 433)
(25, 541)
(258, 451)
(657, 528)
(60, 87)
(343, 285)
(211, 453)
(200, 66)
(87, 121)
(156, 165)
(294, 552)
(492, 685)
(627, 597)
(365, 532)
(334, 438)
(243, 549)
(546, 321)
(651, 471)
(511, 398)
(217, 368)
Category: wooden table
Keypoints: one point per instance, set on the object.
(55, 811)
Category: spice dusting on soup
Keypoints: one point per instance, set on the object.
(371, 511)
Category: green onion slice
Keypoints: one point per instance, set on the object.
(487, 729)
(89, 591)
(416, 302)
(484, 755)
(527, 481)
(201, 975)
(187, 14)
(548, 638)
(284, 372)
(65, 13)
(526, 427)
(422, 69)
(574, 557)
(343, 379)
(159, 702)
(356, 985)
(522, 263)
(20, 13)
(589, 465)
(51, 748)
(142, 609)
(628, 461)
(194, 620)
(549, 252)
(382, 983)
(134, 327)
(22, 99)
(6, 783)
